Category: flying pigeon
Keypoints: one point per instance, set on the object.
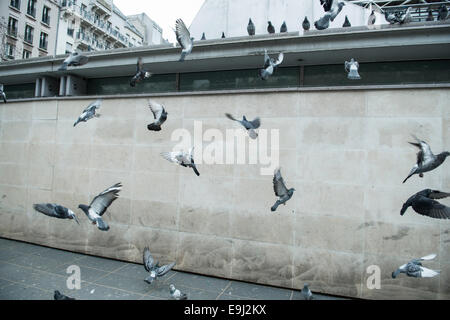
(391, 17)
(154, 269)
(283, 27)
(223, 35)
(305, 24)
(184, 39)
(352, 69)
(426, 160)
(250, 126)
(141, 74)
(414, 268)
(280, 190)
(269, 65)
(251, 28)
(430, 15)
(182, 158)
(59, 296)
(307, 294)
(324, 22)
(423, 203)
(203, 36)
(406, 17)
(443, 12)
(89, 112)
(177, 294)
(2, 93)
(74, 59)
(55, 210)
(372, 18)
(334, 7)
(160, 115)
(346, 23)
(270, 27)
(100, 204)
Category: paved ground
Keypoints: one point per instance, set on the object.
(32, 272)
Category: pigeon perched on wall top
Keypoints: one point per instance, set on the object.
(269, 65)
(59, 296)
(2, 93)
(423, 203)
(177, 294)
(426, 160)
(280, 189)
(184, 39)
(203, 36)
(250, 126)
(141, 74)
(372, 19)
(223, 35)
(89, 112)
(443, 12)
(305, 24)
(182, 158)
(352, 67)
(346, 23)
(415, 269)
(154, 269)
(406, 17)
(160, 115)
(75, 59)
(306, 292)
(283, 27)
(55, 210)
(100, 204)
(251, 27)
(270, 27)
(430, 16)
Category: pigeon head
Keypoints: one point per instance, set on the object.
(73, 216)
(291, 190)
(446, 154)
(269, 22)
(84, 207)
(249, 20)
(172, 288)
(306, 285)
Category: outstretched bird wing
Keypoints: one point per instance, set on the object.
(175, 156)
(266, 59)
(93, 105)
(326, 4)
(156, 109)
(256, 123)
(425, 153)
(164, 269)
(431, 208)
(278, 184)
(46, 208)
(182, 33)
(436, 194)
(148, 260)
(104, 199)
(279, 60)
(428, 273)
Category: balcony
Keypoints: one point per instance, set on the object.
(86, 16)
(102, 7)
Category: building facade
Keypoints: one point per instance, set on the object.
(28, 28)
(151, 31)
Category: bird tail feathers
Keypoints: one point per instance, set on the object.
(183, 56)
(101, 224)
(63, 67)
(229, 116)
(275, 206)
(195, 170)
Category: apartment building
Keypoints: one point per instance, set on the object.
(28, 28)
(151, 31)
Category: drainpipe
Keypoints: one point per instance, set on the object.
(57, 29)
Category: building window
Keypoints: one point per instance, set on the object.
(28, 37)
(10, 48)
(26, 54)
(12, 27)
(70, 32)
(43, 41)
(31, 8)
(15, 4)
(68, 47)
(46, 15)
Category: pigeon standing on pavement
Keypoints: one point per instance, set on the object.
(352, 67)
(154, 269)
(182, 158)
(415, 269)
(280, 189)
(100, 204)
(74, 59)
(305, 24)
(250, 126)
(269, 65)
(423, 203)
(141, 74)
(426, 160)
(372, 19)
(283, 27)
(443, 12)
(2, 93)
(251, 27)
(270, 27)
(177, 294)
(184, 39)
(346, 23)
(160, 115)
(55, 210)
(307, 294)
(59, 296)
(89, 112)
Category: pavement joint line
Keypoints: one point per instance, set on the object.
(221, 293)
(25, 285)
(292, 295)
(111, 272)
(109, 287)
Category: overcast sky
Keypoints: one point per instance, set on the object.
(163, 12)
